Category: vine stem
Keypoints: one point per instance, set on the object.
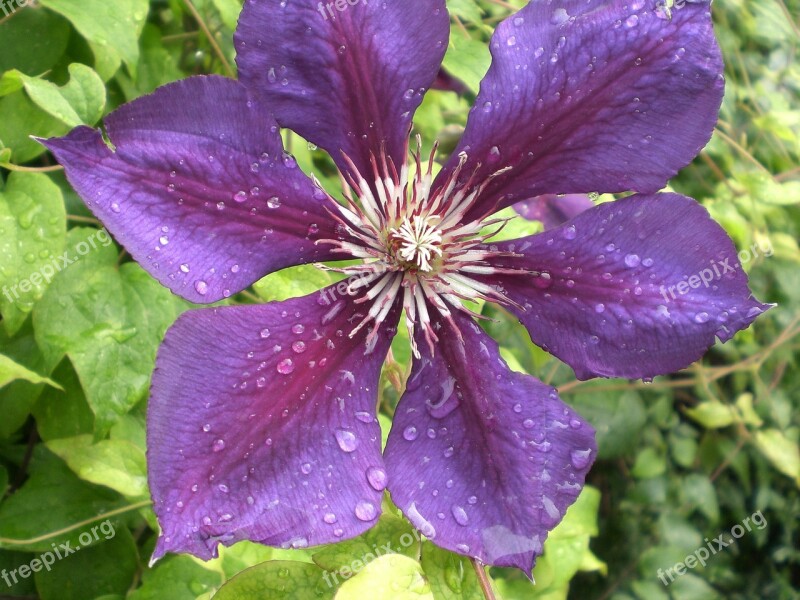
(73, 527)
(217, 50)
(483, 579)
(11, 167)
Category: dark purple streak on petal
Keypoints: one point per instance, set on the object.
(350, 81)
(198, 188)
(484, 461)
(602, 302)
(593, 96)
(261, 426)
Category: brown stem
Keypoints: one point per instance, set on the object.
(483, 579)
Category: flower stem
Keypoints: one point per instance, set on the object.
(483, 579)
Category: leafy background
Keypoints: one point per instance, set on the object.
(683, 458)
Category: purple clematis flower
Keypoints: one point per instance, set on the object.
(262, 420)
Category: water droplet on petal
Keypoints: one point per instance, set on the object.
(329, 518)
(201, 287)
(364, 417)
(410, 433)
(701, 317)
(366, 511)
(570, 232)
(632, 260)
(286, 366)
(347, 440)
(459, 514)
(377, 478)
(265, 333)
(580, 458)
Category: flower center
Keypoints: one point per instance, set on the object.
(419, 241)
(414, 243)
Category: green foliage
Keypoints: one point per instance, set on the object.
(681, 460)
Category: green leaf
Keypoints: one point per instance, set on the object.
(229, 11)
(713, 415)
(292, 283)
(63, 413)
(18, 397)
(390, 535)
(466, 10)
(106, 567)
(783, 453)
(111, 28)
(116, 464)
(176, 578)
(52, 499)
(467, 59)
(24, 45)
(29, 120)
(700, 493)
(649, 463)
(450, 575)
(32, 236)
(11, 371)
(109, 321)
(617, 419)
(392, 577)
(156, 66)
(79, 102)
(278, 579)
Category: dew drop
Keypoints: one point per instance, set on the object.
(201, 287)
(347, 440)
(299, 347)
(701, 317)
(580, 458)
(570, 232)
(377, 478)
(632, 260)
(364, 417)
(559, 17)
(329, 518)
(265, 333)
(286, 366)
(366, 511)
(274, 202)
(410, 433)
(459, 514)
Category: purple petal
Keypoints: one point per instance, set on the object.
(198, 189)
(634, 288)
(345, 79)
(595, 95)
(553, 210)
(262, 426)
(484, 461)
